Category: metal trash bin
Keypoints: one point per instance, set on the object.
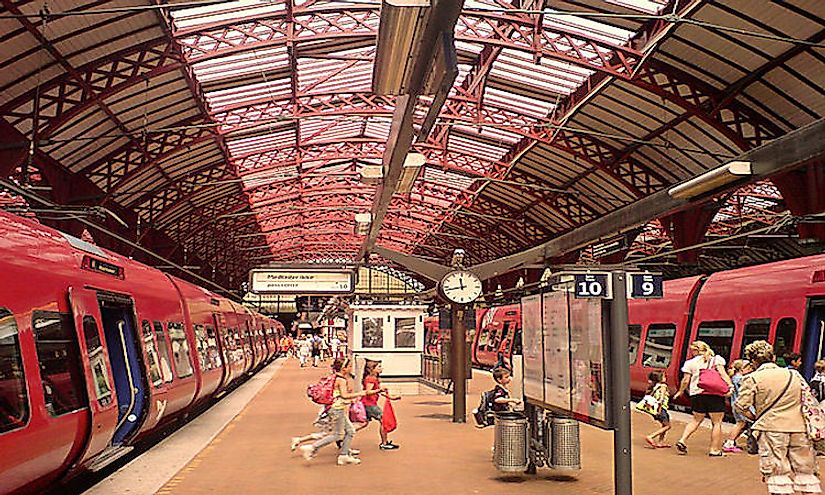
(510, 447)
(565, 447)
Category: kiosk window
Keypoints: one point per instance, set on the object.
(755, 330)
(163, 352)
(59, 357)
(718, 335)
(658, 345)
(14, 400)
(97, 361)
(635, 332)
(180, 350)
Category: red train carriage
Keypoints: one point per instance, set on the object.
(782, 302)
(97, 351)
(496, 333)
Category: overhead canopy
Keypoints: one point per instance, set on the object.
(236, 132)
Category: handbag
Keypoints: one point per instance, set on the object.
(753, 437)
(357, 412)
(649, 405)
(711, 382)
(813, 413)
(388, 421)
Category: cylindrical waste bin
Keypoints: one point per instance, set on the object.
(565, 446)
(510, 448)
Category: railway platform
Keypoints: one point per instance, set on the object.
(251, 455)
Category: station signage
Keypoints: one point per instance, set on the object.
(302, 281)
(646, 286)
(592, 285)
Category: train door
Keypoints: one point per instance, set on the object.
(222, 341)
(120, 331)
(93, 350)
(812, 349)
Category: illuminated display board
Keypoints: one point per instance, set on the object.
(302, 281)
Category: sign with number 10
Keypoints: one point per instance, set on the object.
(592, 285)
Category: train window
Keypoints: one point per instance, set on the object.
(635, 332)
(14, 400)
(212, 347)
(200, 342)
(785, 336)
(718, 335)
(180, 349)
(755, 330)
(151, 354)
(163, 352)
(59, 357)
(97, 361)
(658, 345)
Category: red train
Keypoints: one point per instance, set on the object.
(781, 302)
(98, 351)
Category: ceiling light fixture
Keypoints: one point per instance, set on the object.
(400, 34)
(412, 165)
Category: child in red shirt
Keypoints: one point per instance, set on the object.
(372, 369)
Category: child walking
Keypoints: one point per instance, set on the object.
(371, 382)
(658, 389)
(736, 372)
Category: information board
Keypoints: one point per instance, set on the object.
(566, 349)
(301, 281)
(646, 285)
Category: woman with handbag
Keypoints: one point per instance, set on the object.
(707, 383)
(786, 456)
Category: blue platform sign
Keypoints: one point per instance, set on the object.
(646, 286)
(592, 285)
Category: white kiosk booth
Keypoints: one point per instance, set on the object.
(393, 334)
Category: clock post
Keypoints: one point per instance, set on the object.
(458, 351)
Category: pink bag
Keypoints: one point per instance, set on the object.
(711, 382)
(357, 412)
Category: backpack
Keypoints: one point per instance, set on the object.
(321, 392)
(483, 414)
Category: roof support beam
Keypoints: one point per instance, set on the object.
(783, 154)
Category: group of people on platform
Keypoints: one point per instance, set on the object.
(312, 348)
(350, 412)
(767, 403)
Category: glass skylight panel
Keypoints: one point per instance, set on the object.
(378, 129)
(520, 103)
(646, 6)
(447, 178)
(274, 90)
(251, 62)
(555, 77)
(225, 12)
(472, 147)
(589, 28)
(501, 134)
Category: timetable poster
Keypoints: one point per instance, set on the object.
(587, 355)
(556, 350)
(532, 349)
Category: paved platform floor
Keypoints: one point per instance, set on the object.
(252, 456)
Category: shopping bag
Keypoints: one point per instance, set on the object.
(711, 381)
(388, 420)
(357, 412)
(813, 413)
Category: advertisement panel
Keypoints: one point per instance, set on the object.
(532, 347)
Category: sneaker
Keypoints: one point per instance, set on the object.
(348, 459)
(732, 450)
(388, 446)
(308, 451)
(354, 452)
(295, 443)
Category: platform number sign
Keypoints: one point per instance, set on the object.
(646, 286)
(592, 285)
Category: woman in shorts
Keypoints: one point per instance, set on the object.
(703, 404)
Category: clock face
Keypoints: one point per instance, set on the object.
(461, 286)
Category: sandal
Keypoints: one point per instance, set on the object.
(663, 446)
(682, 448)
(650, 442)
(716, 454)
